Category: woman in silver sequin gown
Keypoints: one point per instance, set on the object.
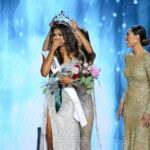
(59, 126)
(86, 99)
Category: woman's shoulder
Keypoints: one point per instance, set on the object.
(145, 55)
(128, 54)
(147, 58)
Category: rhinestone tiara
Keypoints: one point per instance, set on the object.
(60, 19)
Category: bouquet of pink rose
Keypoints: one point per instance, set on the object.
(85, 74)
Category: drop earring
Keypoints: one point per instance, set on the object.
(136, 41)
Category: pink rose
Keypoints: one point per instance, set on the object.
(94, 71)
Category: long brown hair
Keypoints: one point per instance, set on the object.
(71, 43)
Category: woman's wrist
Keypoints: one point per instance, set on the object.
(53, 48)
(76, 29)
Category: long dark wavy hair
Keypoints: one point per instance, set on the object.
(71, 42)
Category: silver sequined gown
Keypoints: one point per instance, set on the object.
(66, 131)
(87, 104)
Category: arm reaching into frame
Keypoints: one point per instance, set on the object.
(81, 38)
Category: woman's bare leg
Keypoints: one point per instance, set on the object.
(49, 132)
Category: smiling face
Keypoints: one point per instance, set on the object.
(132, 39)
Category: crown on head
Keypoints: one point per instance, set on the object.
(60, 19)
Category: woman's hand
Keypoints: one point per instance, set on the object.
(82, 40)
(146, 120)
(73, 24)
(120, 109)
(65, 80)
(56, 43)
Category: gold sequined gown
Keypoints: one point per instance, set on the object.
(136, 102)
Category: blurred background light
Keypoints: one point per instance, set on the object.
(23, 27)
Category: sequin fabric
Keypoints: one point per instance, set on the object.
(137, 102)
(66, 131)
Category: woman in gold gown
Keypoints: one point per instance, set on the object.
(135, 103)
